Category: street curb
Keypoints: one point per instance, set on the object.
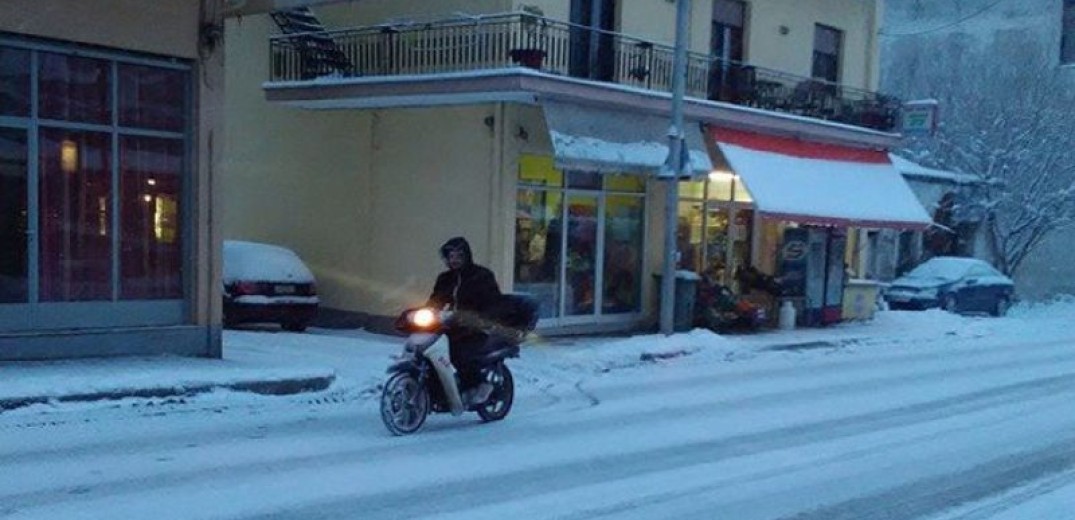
(285, 386)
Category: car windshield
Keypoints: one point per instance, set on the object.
(943, 268)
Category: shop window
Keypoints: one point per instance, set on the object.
(152, 97)
(692, 189)
(742, 194)
(14, 82)
(73, 88)
(721, 186)
(14, 271)
(539, 171)
(538, 243)
(623, 182)
(584, 180)
(689, 233)
(76, 222)
(150, 243)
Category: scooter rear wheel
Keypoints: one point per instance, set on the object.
(404, 404)
(500, 400)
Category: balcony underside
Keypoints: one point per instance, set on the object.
(528, 86)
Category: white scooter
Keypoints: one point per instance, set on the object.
(423, 379)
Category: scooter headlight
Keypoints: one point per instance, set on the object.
(423, 318)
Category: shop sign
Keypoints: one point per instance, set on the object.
(919, 117)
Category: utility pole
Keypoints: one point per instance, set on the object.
(675, 167)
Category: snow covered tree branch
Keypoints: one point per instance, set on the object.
(1007, 125)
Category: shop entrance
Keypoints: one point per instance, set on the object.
(715, 231)
(578, 243)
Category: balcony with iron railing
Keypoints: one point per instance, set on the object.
(520, 39)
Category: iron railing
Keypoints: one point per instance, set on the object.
(555, 47)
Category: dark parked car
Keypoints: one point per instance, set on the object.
(953, 284)
(267, 284)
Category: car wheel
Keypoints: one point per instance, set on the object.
(293, 326)
(950, 304)
(1001, 307)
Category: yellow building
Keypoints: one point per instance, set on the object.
(364, 134)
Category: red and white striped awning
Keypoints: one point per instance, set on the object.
(817, 183)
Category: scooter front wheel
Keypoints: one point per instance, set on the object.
(500, 400)
(404, 404)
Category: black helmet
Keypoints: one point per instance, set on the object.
(457, 244)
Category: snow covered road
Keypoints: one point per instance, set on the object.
(956, 428)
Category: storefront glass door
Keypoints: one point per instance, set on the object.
(579, 243)
(622, 274)
(580, 275)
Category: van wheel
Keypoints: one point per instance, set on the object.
(950, 303)
(294, 326)
(1001, 307)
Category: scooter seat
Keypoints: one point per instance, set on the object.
(500, 354)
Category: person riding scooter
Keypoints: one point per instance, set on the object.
(470, 291)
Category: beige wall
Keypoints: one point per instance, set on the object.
(370, 12)
(793, 52)
(123, 24)
(292, 177)
(364, 196)
(432, 179)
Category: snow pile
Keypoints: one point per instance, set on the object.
(927, 323)
(1059, 311)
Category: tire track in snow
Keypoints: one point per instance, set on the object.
(457, 495)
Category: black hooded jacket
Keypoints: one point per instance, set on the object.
(471, 290)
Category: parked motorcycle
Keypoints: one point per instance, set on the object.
(423, 380)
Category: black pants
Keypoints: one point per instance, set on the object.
(466, 351)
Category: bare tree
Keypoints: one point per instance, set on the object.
(1006, 118)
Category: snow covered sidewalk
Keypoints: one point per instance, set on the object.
(352, 363)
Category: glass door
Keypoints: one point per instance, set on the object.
(14, 228)
(582, 247)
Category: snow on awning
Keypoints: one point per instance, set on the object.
(815, 183)
(606, 140)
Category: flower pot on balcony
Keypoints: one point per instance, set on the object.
(532, 58)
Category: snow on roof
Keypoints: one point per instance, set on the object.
(252, 261)
(913, 169)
